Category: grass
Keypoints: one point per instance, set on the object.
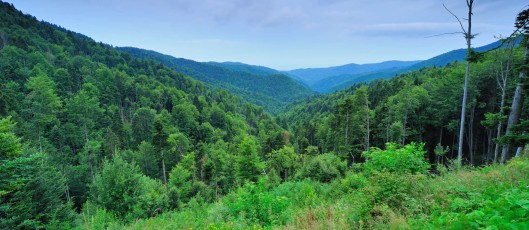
(491, 197)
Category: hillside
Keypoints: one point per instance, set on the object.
(76, 114)
(331, 80)
(92, 137)
(252, 69)
(258, 85)
(312, 75)
(464, 199)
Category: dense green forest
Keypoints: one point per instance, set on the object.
(257, 85)
(417, 106)
(94, 138)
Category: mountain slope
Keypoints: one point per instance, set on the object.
(262, 87)
(313, 75)
(342, 81)
(242, 67)
(87, 124)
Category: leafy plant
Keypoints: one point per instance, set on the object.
(408, 159)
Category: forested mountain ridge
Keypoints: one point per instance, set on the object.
(261, 86)
(417, 106)
(337, 78)
(93, 138)
(96, 126)
(312, 75)
(253, 69)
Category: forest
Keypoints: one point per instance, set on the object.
(92, 137)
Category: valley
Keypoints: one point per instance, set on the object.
(97, 136)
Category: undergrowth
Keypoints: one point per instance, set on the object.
(491, 197)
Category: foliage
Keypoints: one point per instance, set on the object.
(28, 179)
(131, 143)
(271, 90)
(324, 168)
(408, 159)
(257, 205)
(248, 164)
(122, 189)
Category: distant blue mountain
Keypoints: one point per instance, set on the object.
(313, 75)
(330, 79)
(454, 55)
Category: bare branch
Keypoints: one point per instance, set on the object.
(437, 35)
(457, 18)
(469, 2)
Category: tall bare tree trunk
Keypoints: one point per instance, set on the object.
(516, 107)
(163, 169)
(504, 73)
(468, 37)
(368, 124)
(40, 141)
(347, 129)
(500, 124)
(470, 135)
(3, 37)
(518, 151)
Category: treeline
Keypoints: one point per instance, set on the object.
(419, 106)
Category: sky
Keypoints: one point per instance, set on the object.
(281, 34)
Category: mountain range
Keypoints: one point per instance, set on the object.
(335, 78)
(273, 89)
(259, 85)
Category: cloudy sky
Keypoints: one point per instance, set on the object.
(282, 34)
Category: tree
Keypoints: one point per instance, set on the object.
(402, 106)
(185, 116)
(13, 166)
(471, 57)
(8, 97)
(31, 190)
(146, 159)
(83, 109)
(43, 104)
(143, 124)
(180, 181)
(248, 164)
(283, 161)
(324, 168)
(521, 24)
(160, 142)
(502, 75)
(117, 186)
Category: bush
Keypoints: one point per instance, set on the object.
(323, 168)
(352, 181)
(408, 159)
(122, 189)
(510, 210)
(253, 203)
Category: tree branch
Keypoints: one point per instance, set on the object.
(457, 18)
(437, 35)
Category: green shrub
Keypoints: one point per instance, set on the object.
(253, 203)
(509, 210)
(408, 159)
(122, 189)
(351, 182)
(323, 168)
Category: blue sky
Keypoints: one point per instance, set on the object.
(281, 34)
